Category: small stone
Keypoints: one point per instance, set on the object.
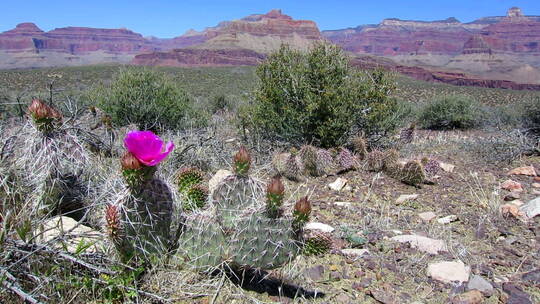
(511, 185)
(527, 170)
(447, 219)
(447, 167)
(448, 272)
(315, 273)
(354, 251)
(71, 234)
(343, 204)
(230, 140)
(536, 179)
(512, 196)
(338, 184)
(347, 188)
(427, 216)
(469, 297)
(516, 294)
(343, 298)
(422, 243)
(319, 226)
(532, 208)
(406, 197)
(477, 282)
(217, 179)
(536, 185)
(335, 276)
(532, 276)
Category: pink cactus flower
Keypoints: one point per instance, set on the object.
(147, 147)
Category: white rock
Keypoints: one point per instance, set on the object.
(427, 216)
(230, 140)
(447, 219)
(422, 243)
(447, 167)
(343, 204)
(532, 208)
(448, 272)
(70, 234)
(406, 197)
(338, 184)
(319, 226)
(353, 251)
(217, 179)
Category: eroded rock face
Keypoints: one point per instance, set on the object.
(200, 57)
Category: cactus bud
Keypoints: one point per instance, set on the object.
(112, 217)
(274, 197)
(302, 210)
(130, 162)
(303, 206)
(242, 162)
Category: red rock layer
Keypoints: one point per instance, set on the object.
(199, 57)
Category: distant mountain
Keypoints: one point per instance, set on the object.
(491, 51)
(250, 38)
(500, 48)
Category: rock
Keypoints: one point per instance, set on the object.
(448, 272)
(527, 170)
(383, 296)
(536, 179)
(532, 208)
(338, 184)
(477, 282)
(355, 252)
(427, 216)
(422, 243)
(447, 219)
(406, 197)
(512, 196)
(447, 167)
(532, 276)
(469, 297)
(535, 185)
(319, 226)
(516, 294)
(511, 209)
(315, 273)
(343, 204)
(511, 185)
(343, 298)
(230, 140)
(217, 179)
(71, 234)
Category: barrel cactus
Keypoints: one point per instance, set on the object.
(244, 226)
(139, 224)
(288, 165)
(413, 173)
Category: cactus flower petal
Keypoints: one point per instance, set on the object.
(147, 147)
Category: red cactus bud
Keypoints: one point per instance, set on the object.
(112, 217)
(303, 206)
(130, 162)
(40, 110)
(242, 161)
(276, 187)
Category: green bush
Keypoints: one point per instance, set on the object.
(451, 112)
(317, 97)
(531, 116)
(146, 98)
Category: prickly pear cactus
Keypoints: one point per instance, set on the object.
(241, 228)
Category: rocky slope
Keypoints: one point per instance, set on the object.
(491, 48)
(239, 42)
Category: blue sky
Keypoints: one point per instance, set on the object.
(171, 18)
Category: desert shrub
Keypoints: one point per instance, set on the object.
(318, 97)
(502, 147)
(451, 112)
(146, 98)
(502, 117)
(531, 116)
(219, 103)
